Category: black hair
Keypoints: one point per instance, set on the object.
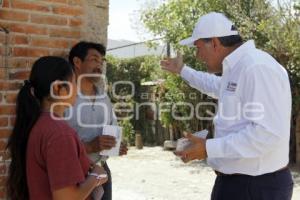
(28, 108)
(80, 50)
(227, 41)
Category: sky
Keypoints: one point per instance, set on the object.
(121, 13)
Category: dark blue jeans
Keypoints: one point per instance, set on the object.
(107, 187)
(272, 186)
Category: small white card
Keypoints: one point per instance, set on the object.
(115, 131)
(201, 134)
(184, 143)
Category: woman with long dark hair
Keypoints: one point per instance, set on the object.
(48, 161)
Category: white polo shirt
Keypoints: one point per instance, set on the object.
(252, 124)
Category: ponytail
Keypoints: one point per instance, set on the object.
(27, 112)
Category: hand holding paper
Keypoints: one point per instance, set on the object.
(192, 146)
(116, 132)
(106, 142)
(184, 142)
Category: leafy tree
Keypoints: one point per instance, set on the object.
(134, 71)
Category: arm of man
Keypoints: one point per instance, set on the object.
(204, 82)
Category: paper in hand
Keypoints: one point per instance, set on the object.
(115, 131)
(184, 143)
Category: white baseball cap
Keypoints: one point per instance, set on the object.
(211, 25)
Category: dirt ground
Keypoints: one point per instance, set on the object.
(154, 174)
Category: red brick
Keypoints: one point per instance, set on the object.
(46, 19)
(29, 29)
(75, 2)
(65, 33)
(6, 4)
(48, 42)
(30, 6)
(7, 109)
(10, 98)
(2, 180)
(73, 22)
(19, 39)
(58, 1)
(2, 73)
(4, 24)
(20, 75)
(67, 10)
(29, 52)
(73, 42)
(3, 121)
(12, 121)
(61, 53)
(1, 60)
(8, 85)
(4, 155)
(14, 15)
(20, 62)
(2, 148)
(3, 166)
(5, 133)
(3, 193)
(2, 39)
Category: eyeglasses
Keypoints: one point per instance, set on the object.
(96, 60)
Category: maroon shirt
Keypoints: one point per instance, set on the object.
(55, 158)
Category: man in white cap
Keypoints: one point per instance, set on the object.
(250, 148)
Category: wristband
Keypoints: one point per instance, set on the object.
(98, 176)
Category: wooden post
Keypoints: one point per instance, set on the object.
(138, 141)
(171, 132)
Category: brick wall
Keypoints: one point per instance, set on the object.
(38, 28)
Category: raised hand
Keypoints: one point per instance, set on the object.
(173, 65)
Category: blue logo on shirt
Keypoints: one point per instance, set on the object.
(231, 86)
